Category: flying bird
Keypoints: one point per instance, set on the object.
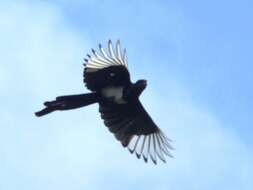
(107, 76)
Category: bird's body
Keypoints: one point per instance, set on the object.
(114, 93)
(106, 75)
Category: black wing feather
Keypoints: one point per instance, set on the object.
(132, 126)
(116, 75)
(106, 69)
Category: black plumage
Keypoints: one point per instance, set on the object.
(106, 75)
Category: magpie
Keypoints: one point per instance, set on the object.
(107, 76)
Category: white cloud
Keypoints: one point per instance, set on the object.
(73, 150)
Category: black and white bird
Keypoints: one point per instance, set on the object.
(106, 75)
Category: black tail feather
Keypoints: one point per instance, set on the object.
(45, 111)
(68, 102)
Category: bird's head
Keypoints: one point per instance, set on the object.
(139, 86)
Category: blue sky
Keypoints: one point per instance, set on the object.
(196, 56)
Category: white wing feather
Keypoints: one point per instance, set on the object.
(151, 146)
(100, 61)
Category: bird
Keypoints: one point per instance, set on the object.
(106, 75)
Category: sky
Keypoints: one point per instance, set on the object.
(197, 58)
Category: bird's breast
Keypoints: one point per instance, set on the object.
(115, 93)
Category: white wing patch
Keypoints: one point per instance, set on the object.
(97, 61)
(151, 146)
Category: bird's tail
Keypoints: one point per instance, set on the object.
(68, 102)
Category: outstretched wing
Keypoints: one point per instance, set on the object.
(134, 128)
(106, 69)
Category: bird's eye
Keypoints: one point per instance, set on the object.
(112, 74)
